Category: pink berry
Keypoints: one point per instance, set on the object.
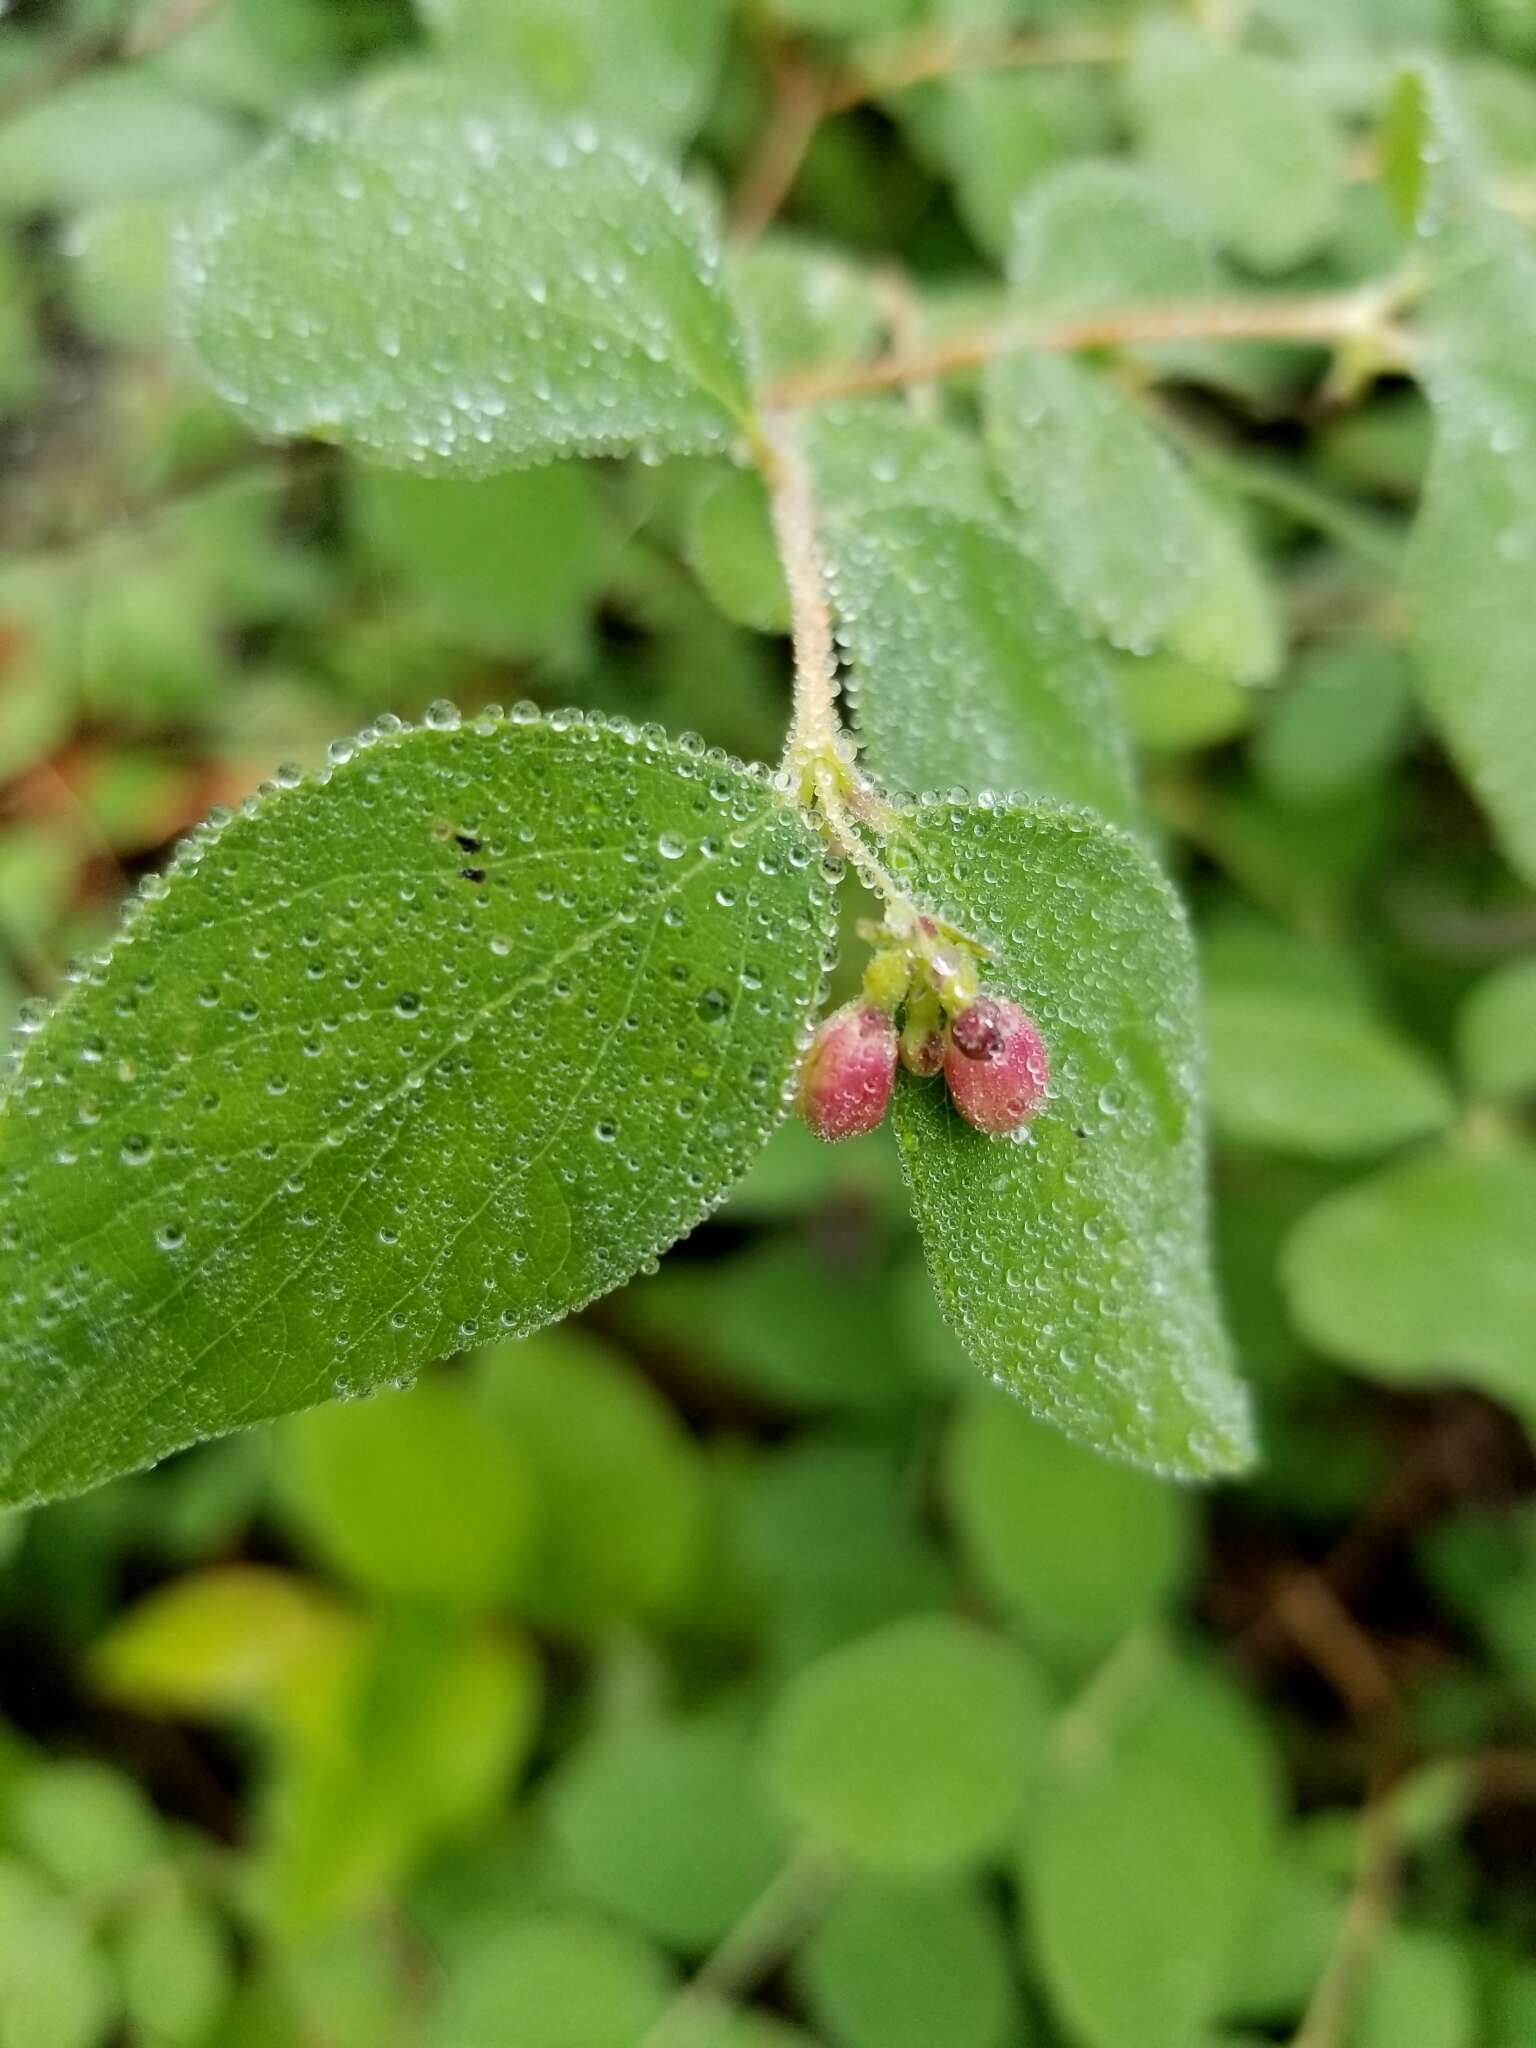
(1001, 1084)
(846, 1080)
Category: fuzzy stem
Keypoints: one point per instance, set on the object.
(816, 752)
(1326, 318)
(892, 66)
(767, 1932)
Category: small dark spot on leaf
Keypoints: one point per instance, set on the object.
(467, 842)
(473, 874)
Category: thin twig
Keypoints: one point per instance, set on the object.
(1326, 318)
(122, 45)
(1365, 1920)
(891, 67)
(1322, 1626)
(799, 103)
(815, 728)
(768, 1931)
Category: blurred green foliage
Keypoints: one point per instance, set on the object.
(738, 1620)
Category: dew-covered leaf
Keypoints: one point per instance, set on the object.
(1245, 139)
(872, 454)
(1112, 516)
(646, 67)
(1423, 1273)
(1073, 1260)
(1102, 232)
(1470, 563)
(801, 303)
(440, 1045)
(435, 281)
(969, 669)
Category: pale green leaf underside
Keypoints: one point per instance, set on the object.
(1118, 524)
(1073, 1261)
(354, 1090)
(1470, 565)
(646, 67)
(970, 670)
(444, 286)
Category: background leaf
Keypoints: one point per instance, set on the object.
(1071, 1260)
(1242, 138)
(364, 279)
(1423, 1273)
(1142, 1858)
(456, 1096)
(908, 1749)
(645, 68)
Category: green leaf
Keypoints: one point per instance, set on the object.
(969, 669)
(1419, 1992)
(731, 550)
(435, 282)
(116, 134)
(909, 1749)
(512, 563)
(555, 1980)
(232, 1636)
(1101, 232)
(56, 1989)
(1073, 1260)
(1114, 519)
(409, 1742)
(1300, 1061)
(621, 1501)
(175, 1967)
(828, 1539)
(410, 1496)
(801, 304)
(1141, 1860)
(489, 1015)
(1468, 574)
(1496, 1031)
(994, 134)
(665, 1825)
(906, 1966)
(1245, 140)
(646, 67)
(872, 454)
(1423, 1273)
(1338, 726)
(86, 1825)
(1075, 1549)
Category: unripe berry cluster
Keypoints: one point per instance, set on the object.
(922, 1010)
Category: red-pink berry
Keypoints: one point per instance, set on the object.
(998, 1086)
(845, 1083)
